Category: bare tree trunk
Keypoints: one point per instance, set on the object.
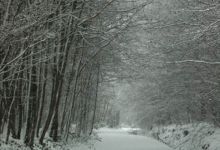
(11, 116)
(70, 113)
(20, 105)
(42, 100)
(7, 13)
(96, 99)
(51, 109)
(32, 106)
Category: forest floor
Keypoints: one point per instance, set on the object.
(83, 143)
(200, 136)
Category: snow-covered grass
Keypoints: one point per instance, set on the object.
(201, 136)
(75, 145)
(82, 143)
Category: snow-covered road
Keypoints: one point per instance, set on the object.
(117, 139)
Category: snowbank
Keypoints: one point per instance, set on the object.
(202, 136)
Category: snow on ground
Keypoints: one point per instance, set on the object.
(202, 136)
(49, 146)
(107, 139)
(84, 143)
(120, 139)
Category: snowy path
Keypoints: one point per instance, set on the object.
(113, 139)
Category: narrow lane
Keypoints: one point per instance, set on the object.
(115, 139)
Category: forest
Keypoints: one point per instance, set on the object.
(69, 67)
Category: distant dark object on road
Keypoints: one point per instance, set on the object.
(134, 131)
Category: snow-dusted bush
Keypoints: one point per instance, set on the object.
(202, 136)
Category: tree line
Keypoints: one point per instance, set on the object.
(53, 57)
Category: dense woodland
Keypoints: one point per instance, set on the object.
(177, 65)
(60, 61)
(53, 56)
